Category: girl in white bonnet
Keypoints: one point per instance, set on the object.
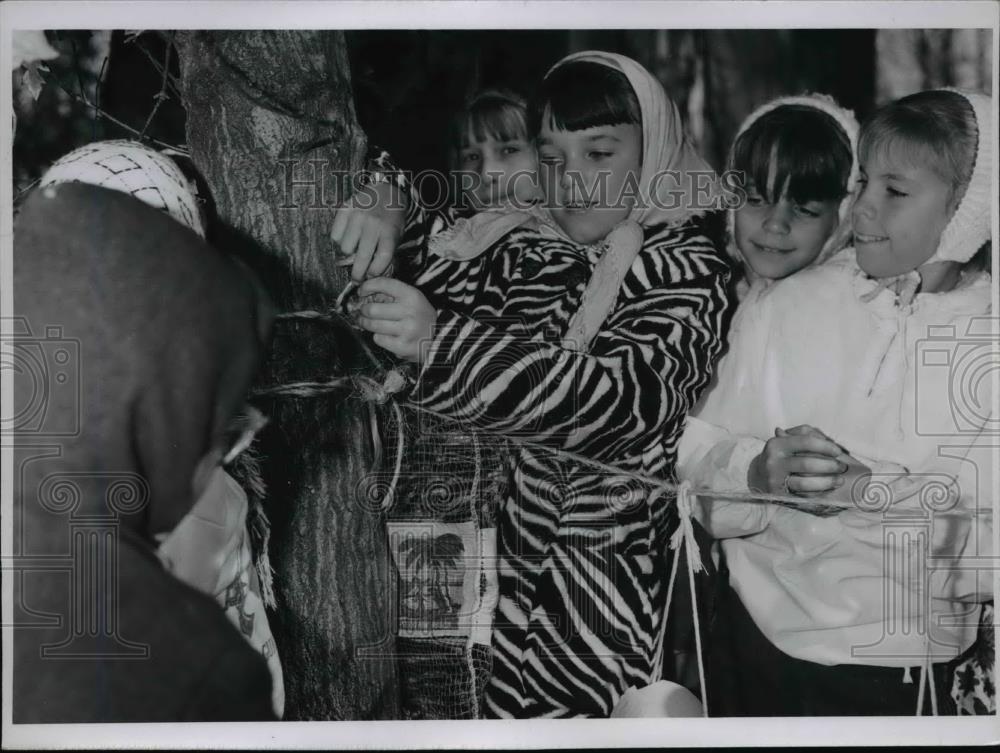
(843, 613)
(795, 158)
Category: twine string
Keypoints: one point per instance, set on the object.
(394, 381)
(694, 563)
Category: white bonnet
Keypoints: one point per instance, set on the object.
(969, 227)
(849, 124)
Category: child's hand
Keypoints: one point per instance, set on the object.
(368, 230)
(853, 482)
(801, 461)
(403, 326)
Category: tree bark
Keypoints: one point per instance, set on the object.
(267, 109)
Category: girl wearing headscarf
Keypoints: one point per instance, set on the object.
(795, 161)
(589, 325)
(167, 333)
(867, 366)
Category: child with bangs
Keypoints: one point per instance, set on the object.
(795, 160)
(836, 605)
(797, 155)
(493, 168)
(589, 324)
(491, 155)
(443, 638)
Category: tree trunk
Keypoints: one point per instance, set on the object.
(268, 109)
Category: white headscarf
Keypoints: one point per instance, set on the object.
(969, 227)
(844, 118)
(133, 168)
(665, 146)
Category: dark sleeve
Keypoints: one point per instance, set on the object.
(645, 370)
(236, 687)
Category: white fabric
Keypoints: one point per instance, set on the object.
(969, 227)
(133, 168)
(874, 377)
(663, 699)
(210, 550)
(849, 124)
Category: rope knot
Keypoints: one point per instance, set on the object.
(373, 392)
(685, 530)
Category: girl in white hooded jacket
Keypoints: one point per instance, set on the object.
(860, 381)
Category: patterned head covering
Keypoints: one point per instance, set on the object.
(848, 123)
(135, 169)
(169, 332)
(969, 227)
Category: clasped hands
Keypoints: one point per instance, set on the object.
(806, 462)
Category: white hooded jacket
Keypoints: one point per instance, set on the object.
(898, 387)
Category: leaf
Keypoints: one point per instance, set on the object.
(29, 46)
(33, 78)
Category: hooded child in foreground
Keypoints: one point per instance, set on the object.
(167, 334)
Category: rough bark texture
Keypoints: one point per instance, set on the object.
(265, 109)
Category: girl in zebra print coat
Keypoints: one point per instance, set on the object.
(591, 329)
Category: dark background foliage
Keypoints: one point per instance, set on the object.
(408, 83)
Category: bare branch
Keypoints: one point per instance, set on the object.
(162, 95)
(165, 71)
(100, 81)
(111, 118)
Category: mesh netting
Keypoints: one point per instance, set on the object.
(442, 678)
(442, 534)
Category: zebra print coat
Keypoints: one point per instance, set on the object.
(582, 555)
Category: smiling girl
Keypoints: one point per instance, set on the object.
(842, 614)
(797, 156)
(592, 326)
(796, 159)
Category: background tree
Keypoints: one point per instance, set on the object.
(264, 110)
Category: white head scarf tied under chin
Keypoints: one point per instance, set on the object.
(133, 168)
(664, 199)
(845, 119)
(969, 227)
